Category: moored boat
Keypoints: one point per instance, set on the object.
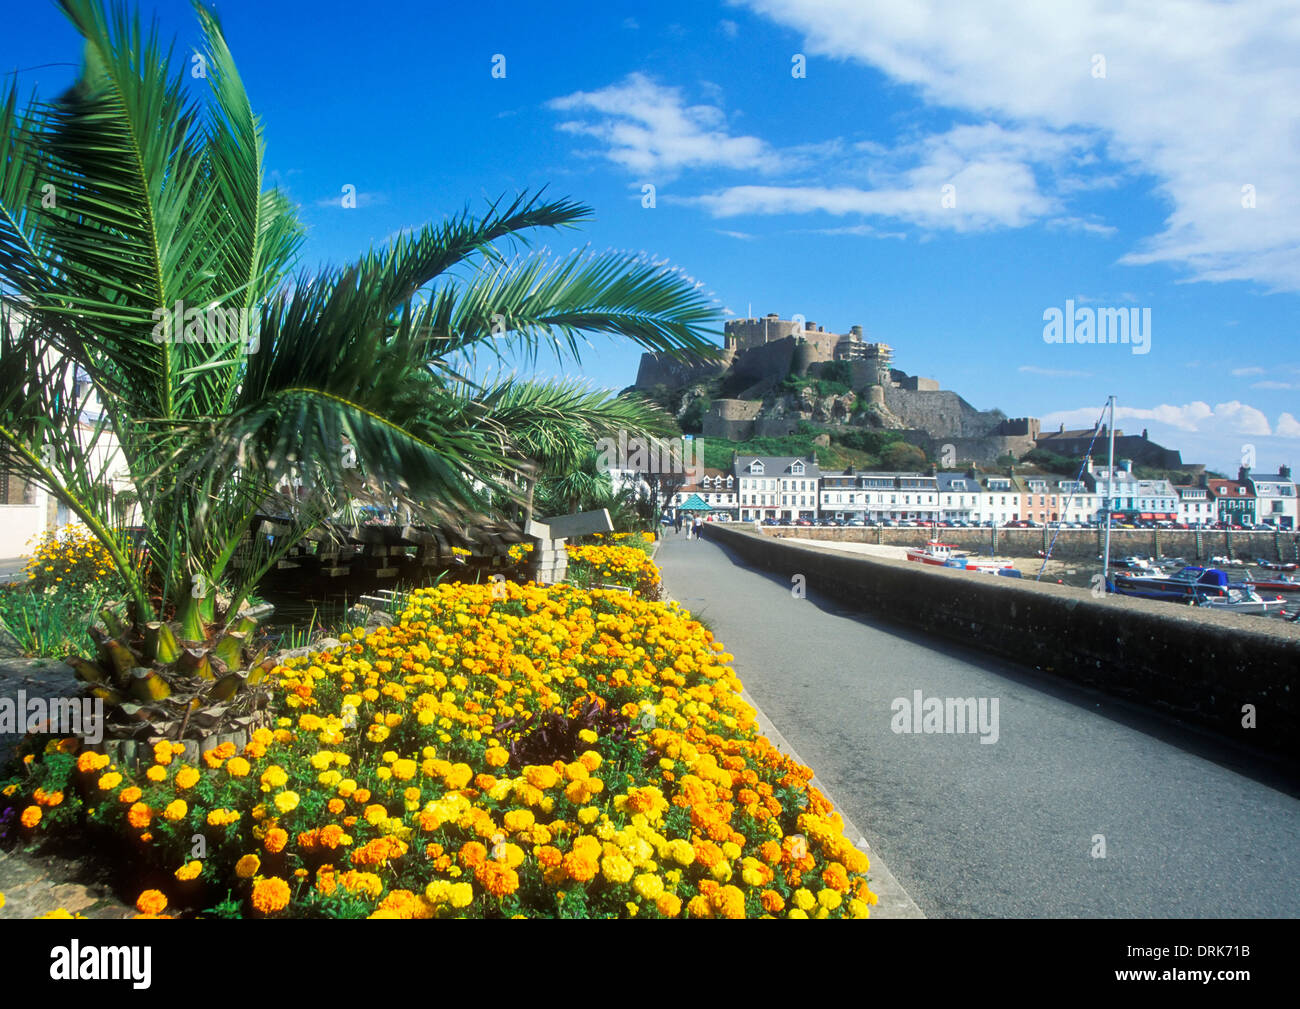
(947, 555)
(1242, 601)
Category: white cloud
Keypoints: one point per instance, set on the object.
(729, 28)
(991, 171)
(1253, 370)
(742, 235)
(1271, 384)
(1288, 426)
(647, 127)
(1198, 95)
(1233, 418)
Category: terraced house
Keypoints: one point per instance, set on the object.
(1128, 498)
(1195, 508)
(1275, 496)
(1233, 501)
(999, 500)
(777, 487)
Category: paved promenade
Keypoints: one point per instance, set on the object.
(1192, 828)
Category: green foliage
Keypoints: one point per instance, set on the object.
(839, 372)
(692, 421)
(903, 456)
(1052, 462)
(51, 623)
(874, 442)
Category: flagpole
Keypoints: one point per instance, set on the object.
(1110, 484)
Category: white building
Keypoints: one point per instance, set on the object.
(1194, 505)
(999, 501)
(779, 487)
(1275, 494)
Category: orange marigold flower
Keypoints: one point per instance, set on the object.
(335, 806)
(151, 901)
(497, 878)
(835, 877)
(31, 816)
(472, 853)
(139, 815)
(187, 777)
(579, 866)
(549, 856)
(270, 895)
(276, 839)
(772, 901)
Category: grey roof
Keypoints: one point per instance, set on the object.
(946, 481)
(778, 465)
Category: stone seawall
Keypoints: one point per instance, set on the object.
(1198, 665)
(1073, 544)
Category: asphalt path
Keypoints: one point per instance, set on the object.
(1192, 827)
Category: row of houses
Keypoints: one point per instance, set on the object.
(791, 488)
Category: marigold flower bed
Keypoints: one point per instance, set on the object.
(556, 753)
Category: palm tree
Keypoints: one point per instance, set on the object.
(139, 248)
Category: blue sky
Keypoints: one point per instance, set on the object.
(1097, 153)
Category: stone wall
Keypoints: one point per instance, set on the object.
(942, 413)
(664, 369)
(1080, 544)
(1195, 664)
(732, 419)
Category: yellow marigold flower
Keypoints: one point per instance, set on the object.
(187, 777)
(162, 753)
(804, 899)
(270, 895)
(829, 899)
(588, 815)
(157, 773)
(496, 756)
(109, 781)
(462, 895)
(518, 819)
(858, 909)
(616, 869)
(176, 810)
(246, 867)
(238, 767)
(151, 901)
(648, 885)
(274, 777)
(404, 770)
(190, 870)
(287, 802)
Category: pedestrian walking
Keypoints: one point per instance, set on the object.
(697, 528)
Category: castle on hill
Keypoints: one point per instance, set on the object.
(759, 354)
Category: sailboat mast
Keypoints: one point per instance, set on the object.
(1110, 490)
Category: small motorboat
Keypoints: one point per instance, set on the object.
(947, 555)
(1278, 565)
(1182, 586)
(1282, 583)
(1243, 601)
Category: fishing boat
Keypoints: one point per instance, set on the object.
(1278, 565)
(948, 555)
